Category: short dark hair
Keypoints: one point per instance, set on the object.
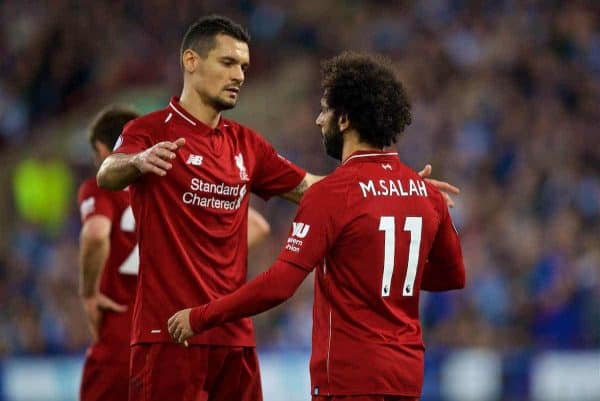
(109, 123)
(201, 35)
(366, 89)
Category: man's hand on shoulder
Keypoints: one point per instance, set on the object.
(445, 188)
(157, 159)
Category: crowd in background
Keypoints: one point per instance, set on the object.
(505, 102)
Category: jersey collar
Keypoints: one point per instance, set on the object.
(370, 156)
(191, 120)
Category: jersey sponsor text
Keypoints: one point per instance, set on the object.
(299, 230)
(234, 194)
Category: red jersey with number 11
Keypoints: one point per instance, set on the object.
(370, 229)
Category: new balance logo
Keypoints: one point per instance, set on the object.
(299, 229)
(386, 166)
(194, 160)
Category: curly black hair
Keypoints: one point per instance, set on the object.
(200, 36)
(366, 89)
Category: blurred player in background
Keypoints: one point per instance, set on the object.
(192, 222)
(375, 232)
(109, 267)
(108, 259)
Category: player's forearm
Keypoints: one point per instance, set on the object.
(117, 171)
(92, 257)
(266, 291)
(296, 194)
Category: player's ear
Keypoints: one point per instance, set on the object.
(343, 122)
(189, 60)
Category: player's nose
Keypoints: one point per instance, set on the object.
(238, 76)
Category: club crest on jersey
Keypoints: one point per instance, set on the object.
(239, 162)
(300, 229)
(194, 160)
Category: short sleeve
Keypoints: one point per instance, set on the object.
(133, 139)
(274, 175)
(313, 231)
(93, 201)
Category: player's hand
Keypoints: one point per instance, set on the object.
(445, 188)
(95, 306)
(157, 159)
(180, 328)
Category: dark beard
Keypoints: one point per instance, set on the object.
(221, 105)
(333, 139)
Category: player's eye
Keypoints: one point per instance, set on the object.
(228, 62)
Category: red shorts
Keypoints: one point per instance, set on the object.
(103, 381)
(365, 398)
(165, 371)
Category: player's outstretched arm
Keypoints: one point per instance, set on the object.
(264, 292)
(94, 246)
(296, 194)
(258, 228)
(119, 170)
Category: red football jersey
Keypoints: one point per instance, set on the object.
(369, 229)
(192, 223)
(119, 275)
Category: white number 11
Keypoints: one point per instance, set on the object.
(387, 224)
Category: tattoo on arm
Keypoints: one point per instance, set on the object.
(296, 194)
(301, 188)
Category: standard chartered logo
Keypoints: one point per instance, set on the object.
(214, 196)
